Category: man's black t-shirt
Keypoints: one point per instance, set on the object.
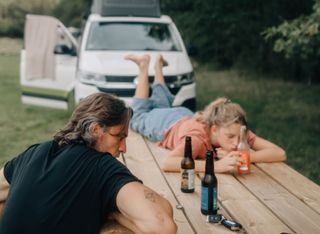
(61, 190)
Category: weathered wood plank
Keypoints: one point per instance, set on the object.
(234, 198)
(140, 161)
(243, 206)
(221, 210)
(189, 202)
(292, 211)
(306, 190)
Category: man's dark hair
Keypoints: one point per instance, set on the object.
(101, 108)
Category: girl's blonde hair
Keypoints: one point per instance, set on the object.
(221, 112)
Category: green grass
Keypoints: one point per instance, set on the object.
(21, 125)
(283, 112)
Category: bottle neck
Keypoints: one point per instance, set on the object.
(209, 163)
(243, 137)
(188, 148)
(242, 134)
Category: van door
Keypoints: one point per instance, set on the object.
(48, 63)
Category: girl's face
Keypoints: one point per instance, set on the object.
(226, 137)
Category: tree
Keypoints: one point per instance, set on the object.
(12, 14)
(229, 32)
(71, 13)
(299, 42)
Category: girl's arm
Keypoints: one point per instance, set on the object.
(266, 151)
(172, 162)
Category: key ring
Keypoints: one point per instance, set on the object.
(220, 219)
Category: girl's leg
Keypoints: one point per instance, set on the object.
(143, 117)
(161, 96)
(147, 119)
(160, 63)
(142, 89)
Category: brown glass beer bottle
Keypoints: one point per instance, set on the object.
(187, 168)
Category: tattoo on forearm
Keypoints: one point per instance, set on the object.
(151, 196)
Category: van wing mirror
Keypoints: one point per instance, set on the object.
(64, 49)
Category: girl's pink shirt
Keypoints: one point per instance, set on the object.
(188, 126)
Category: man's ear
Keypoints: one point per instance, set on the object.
(95, 129)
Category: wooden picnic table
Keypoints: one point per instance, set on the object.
(274, 198)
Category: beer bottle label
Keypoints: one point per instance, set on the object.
(205, 198)
(187, 179)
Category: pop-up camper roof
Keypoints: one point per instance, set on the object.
(142, 8)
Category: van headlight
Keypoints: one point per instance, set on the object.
(186, 78)
(183, 79)
(90, 77)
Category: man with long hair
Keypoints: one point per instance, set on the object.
(71, 183)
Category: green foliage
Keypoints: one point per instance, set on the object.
(299, 40)
(71, 13)
(12, 14)
(229, 32)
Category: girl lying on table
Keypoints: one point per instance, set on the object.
(216, 127)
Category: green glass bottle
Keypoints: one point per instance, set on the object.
(209, 188)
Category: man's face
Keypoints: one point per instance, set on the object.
(226, 137)
(112, 139)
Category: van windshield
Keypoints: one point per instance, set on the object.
(132, 36)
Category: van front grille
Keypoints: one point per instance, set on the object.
(130, 79)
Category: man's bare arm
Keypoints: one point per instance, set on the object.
(143, 210)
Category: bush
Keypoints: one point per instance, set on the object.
(299, 42)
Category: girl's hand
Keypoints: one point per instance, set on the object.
(221, 153)
(229, 162)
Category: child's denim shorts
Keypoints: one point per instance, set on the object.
(153, 116)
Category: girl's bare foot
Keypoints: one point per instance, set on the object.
(160, 62)
(141, 60)
(142, 88)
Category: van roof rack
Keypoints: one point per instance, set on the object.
(142, 8)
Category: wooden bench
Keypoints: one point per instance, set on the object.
(274, 198)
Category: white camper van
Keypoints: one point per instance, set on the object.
(55, 71)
